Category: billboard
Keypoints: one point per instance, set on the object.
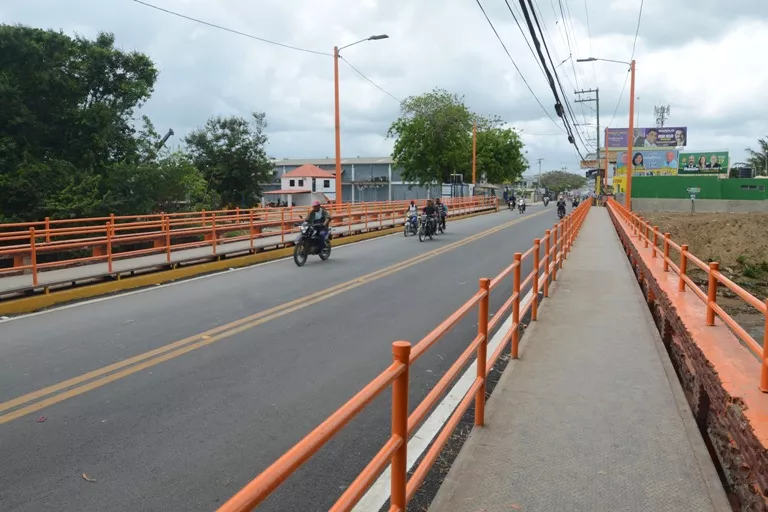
(649, 163)
(592, 164)
(703, 162)
(666, 137)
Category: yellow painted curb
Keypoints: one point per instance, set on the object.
(38, 302)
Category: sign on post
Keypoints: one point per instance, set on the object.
(693, 190)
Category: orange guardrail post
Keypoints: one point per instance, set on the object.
(516, 305)
(764, 366)
(47, 230)
(645, 236)
(250, 228)
(714, 269)
(167, 228)
(213, 232)
(655, 241)
(547, 236)
(555, 258)
(282, 226)
(33, 255)
(683, 267)
(203, 218)
(109, 247)
(365, 211)
(535, 298)
(482, 350)
(401, 352)
(349, 217)
(666, 252)
(561, 241)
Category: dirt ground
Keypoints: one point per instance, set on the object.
(739, 242)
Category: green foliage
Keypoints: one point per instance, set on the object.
(229, 151)
(500, 154)
(560, 181)
(758, 159)
(69, 148)
(433, 138)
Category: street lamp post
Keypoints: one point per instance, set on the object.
(336, 51)
(630, 129)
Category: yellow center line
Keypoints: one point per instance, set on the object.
(126, 367)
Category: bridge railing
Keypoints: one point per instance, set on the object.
(49, 244)
(661, 244)
(545, 261)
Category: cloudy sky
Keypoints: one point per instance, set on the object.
(701, 57)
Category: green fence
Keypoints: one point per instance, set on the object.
(710, 187)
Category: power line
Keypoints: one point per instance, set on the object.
(550, 79)
(634, 44)
(369, 80)
(589, 33)
(514, 63)
(250, 36)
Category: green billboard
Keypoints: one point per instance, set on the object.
(703, 162)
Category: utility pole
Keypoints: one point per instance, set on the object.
(538, 182)
(661, 114)
(596, 99)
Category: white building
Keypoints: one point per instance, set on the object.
(304, 185)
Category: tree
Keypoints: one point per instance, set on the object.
(432, 137)
(66, 109)
(229, 151)
(560, 181)
(758, 160)
(500, 154)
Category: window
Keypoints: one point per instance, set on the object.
(752, 187)
(292, 183)
(326, 183)
(301, 183)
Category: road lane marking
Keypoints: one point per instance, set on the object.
(100, 377)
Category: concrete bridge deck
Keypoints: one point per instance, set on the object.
(592, 417)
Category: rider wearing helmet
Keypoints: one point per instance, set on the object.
(319, 218)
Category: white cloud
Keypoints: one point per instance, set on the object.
(695, 55)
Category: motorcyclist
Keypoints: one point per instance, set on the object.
(412, 209)
(430, 211)
(442, 211)
(521, 204)
(319, 218)
(560, 205)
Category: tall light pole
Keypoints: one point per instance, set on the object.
(474, 153)
(336, 51)
(630, 129)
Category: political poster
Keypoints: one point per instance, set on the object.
(649, 163)
(592, 164)
(703, 162)
(648, 138)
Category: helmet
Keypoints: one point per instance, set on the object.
(316, 203)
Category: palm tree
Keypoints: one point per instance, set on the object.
(758, 160)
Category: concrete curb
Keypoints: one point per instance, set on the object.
(38, 302)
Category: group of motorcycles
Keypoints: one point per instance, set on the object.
(425, 226)
(513, 203)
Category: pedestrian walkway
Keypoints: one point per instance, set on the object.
(592, 417)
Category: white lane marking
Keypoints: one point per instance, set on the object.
(184, 281)
(378, 494)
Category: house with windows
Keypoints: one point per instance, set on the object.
(302, 186)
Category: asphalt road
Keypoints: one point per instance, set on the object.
(184, 428)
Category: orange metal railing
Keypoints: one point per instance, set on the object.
(557, 244)
(660, 244)
(117, 237)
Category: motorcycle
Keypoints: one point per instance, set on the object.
(546, 202)
(560, 212)
(309, 242)
(521, 207)
(411, 225)
(511, 203)
(426, 228)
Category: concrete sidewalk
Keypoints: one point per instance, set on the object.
(592, 417)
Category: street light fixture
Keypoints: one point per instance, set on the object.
(336, 51)
(630, 129)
